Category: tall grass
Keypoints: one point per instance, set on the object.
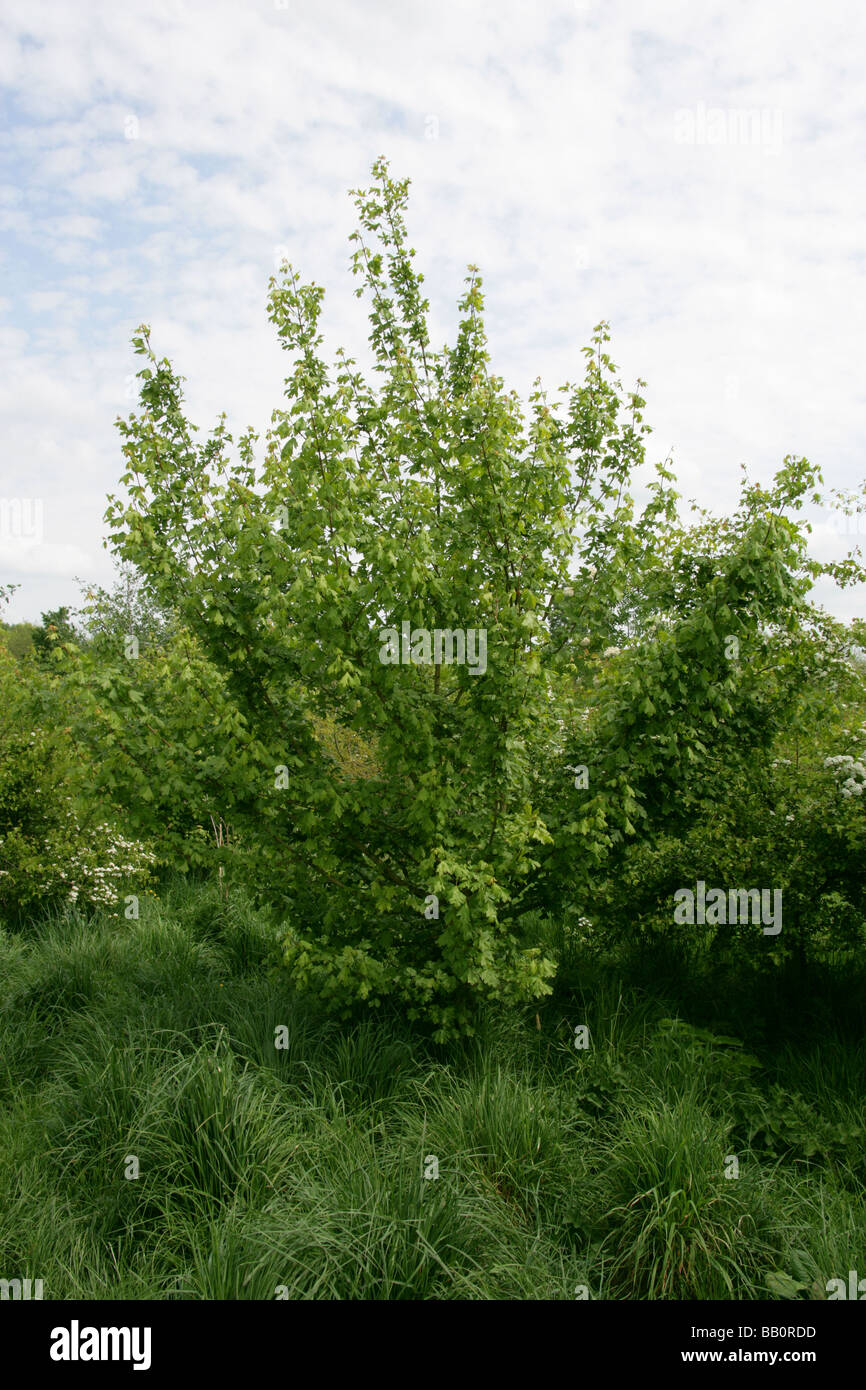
(362, 1161)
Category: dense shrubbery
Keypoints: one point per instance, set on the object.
(618, 640)
(399, 813)
(790, 819)
(56, 842)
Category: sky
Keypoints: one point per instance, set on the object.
(694, 175)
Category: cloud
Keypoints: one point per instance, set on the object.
(20, 559)
(161, 155)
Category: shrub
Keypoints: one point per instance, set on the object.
(312, 584)
(52, 847)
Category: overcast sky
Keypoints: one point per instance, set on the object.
(692, 173)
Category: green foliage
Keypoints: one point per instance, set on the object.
(164, 742)
(785, 1123)
(792, 818)
(17, 638)
(112, 617)
(302, 1169)
(56, 630)
(53, 846)
(432, 498)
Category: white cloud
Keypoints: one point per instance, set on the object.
(57, 561)
(162, 153)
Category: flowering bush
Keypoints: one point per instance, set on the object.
(50, 849)
(101, 870)
(93, 867)
(849, 774)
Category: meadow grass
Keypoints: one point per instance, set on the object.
(300, 1172)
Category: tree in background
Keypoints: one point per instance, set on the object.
(17, 638)
(111, 617)
(56, 630)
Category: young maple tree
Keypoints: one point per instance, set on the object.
(432, 498)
